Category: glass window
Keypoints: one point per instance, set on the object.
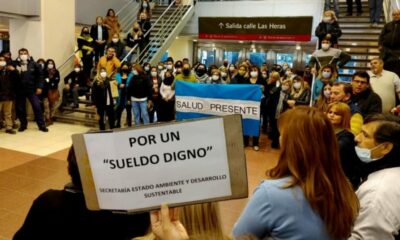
(284, 57)
(232, 56)
(257, 58)
(164, 57)
(207, 57)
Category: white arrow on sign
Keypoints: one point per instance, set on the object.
(221, 25)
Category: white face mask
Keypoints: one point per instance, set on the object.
(77, 69)
(169, 66)
(264, 75)
(364, 154)
(285, 88)
(146, 68)
(231, 68)
(326, 74)
(153, 74)
(215, 77)
(134, 72)
(297, 85)
(325, 46)
(326, 19)
(50, 66)
(115, 40)
(327, 93)
(3, 63)
(223, 74)
(160, 67)
(253, 74)
(144, 5)
(24, 57)
(103, 74)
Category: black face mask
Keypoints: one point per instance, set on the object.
(125, 70)
(168, 80)
(186, 71)
(136, 30)
(200, 72)
(225, 64)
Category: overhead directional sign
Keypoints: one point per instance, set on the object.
(256, 28)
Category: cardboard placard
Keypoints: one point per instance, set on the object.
(179, 163)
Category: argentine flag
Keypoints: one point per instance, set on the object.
(195, 100)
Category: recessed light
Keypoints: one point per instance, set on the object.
(240, 42)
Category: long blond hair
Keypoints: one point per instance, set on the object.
(310, 156)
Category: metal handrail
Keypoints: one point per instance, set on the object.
(148, 32)
(163, 32)
(159, 36)
(124, 7)
(67, 60)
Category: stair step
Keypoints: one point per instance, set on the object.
(355, 20)
(76, 120)
(351, 43)
(357, 37)
(346, 25)
(368, 31)
(80, 110)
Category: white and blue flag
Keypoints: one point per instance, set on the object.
(194, 100)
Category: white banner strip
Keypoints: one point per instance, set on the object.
(218, 107)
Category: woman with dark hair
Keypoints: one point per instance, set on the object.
(242, 75)
(306, 195)
(339, 115)
(50, 91)
(145, 7)
(167, 102)
(99, 33)
(139, 92)
(62, 215)
(112, 24)
(200, 73)
(155, 93)
(327, 74)
(324, 98)
(123, 79)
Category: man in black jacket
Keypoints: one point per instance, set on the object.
(389, 44)
(30, 86)
(363, 96)
(8, 80)
(99, 33)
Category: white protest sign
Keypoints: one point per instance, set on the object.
(145, 167)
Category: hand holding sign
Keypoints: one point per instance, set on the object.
(166, 226)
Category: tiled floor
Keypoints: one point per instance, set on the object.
(32, 162)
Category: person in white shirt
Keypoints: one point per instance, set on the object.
(378, 146)
(385, 83)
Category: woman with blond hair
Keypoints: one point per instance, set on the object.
(300, 94)
(324, 98)
(307, 195)
(339, 115)
(134, 38)
(328, 28)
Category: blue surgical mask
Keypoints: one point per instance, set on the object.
(364, 154)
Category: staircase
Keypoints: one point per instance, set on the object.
(84, 115)
(167, 22)
(358, 39)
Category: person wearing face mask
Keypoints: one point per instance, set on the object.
(134, 39)
(123, 77)
(112, 24)
(328, 28)
(232, 71)
(160, 68)
(272, 97)
(118, 45)
(178, 67)
(145, 25)
(8, 85)
(144, 8)
(324, 98)
(328, 56)
(300, 93)
(146, 68)
(378, 146)
(75, 84)
(168, 66)
(327, 74)
(215, 77)
(389, 43)
(242, 76)
(42, 63)
(186, 75)
(99, 33)
(224, 75)
(102, 99)
(307, 76)
(200, 72)
(339, 115)
(110, 62)
(155, 95)
(140, 92)
(166, 110)
(85, 50)
(31, 83)
(50, 93)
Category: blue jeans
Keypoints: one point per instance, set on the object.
(335, 6)
(140, 111)
(375, 10)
